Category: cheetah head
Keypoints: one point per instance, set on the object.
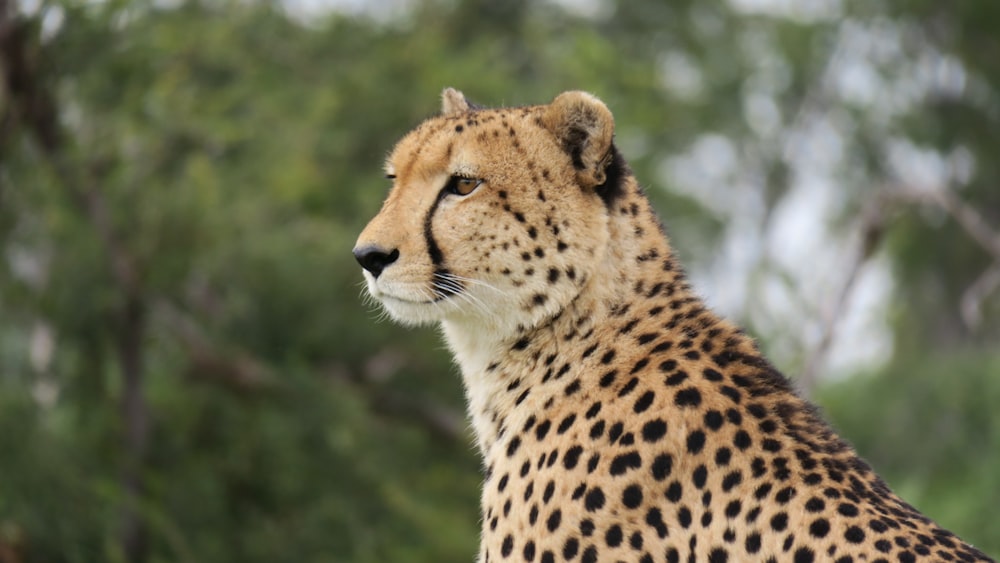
(496, 218)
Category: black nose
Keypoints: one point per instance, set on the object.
(375, 259)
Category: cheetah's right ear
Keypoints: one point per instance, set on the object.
(453, 101)
(585, 128)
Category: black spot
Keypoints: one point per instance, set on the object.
(699, 476)
(669, 366)
(762, 491)
(550, 489)
(815, 504)
(819, 528)
(734, 416)
(785, 495)
(722, 456)
(566, 424)
(854, 534)
(718, 555)
(613, 537)
(661, 466)
(608, 378)
(878, 526)
(752, 543)
(572, 387)
(684, 517)
(688, 397)
(695, 442)
(529, 551)
(636, 542)
(731, 480)
(622, 463)
(643, 402)
(779, 522)
(507, 546)
(733, 508)
(572, 457)
(570, 548)
(615, 432)
(597, 430)
(655, 519)
(515, 443)
(629, 387)
(713, 419)
(542, 429)
(608, 356)
(676, 379)
(804, 555)
(589, 555)
(674, 491)
(731, 392)
(632, 496)
(742, 440)
(647, 337)
(711, 375)
(554, 520)
(594, 500)
(639, 365)
(553, 275)
(654, 430)
(847, 509)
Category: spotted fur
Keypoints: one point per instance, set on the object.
(618, 418)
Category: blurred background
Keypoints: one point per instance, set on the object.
(188, 372)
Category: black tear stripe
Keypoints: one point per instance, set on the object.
(444, 285)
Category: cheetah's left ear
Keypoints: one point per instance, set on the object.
(585, 128)
(453, 101)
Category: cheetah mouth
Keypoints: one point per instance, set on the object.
(385, 297)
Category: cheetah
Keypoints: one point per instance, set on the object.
(618, 418)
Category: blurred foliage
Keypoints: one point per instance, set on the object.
(184, 182)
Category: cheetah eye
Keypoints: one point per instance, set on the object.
(459, 185)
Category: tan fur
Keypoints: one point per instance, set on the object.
(618, 418)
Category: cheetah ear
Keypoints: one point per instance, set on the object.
(453, 101)
(585, 128)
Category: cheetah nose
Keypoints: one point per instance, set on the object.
(375, 259)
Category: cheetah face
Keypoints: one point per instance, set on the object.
(494, 217)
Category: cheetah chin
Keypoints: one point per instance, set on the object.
(618, 418)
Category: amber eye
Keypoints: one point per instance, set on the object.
(459, 185)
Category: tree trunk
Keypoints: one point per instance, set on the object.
(135, 416)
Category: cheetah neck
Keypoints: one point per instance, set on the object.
(509, 376)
